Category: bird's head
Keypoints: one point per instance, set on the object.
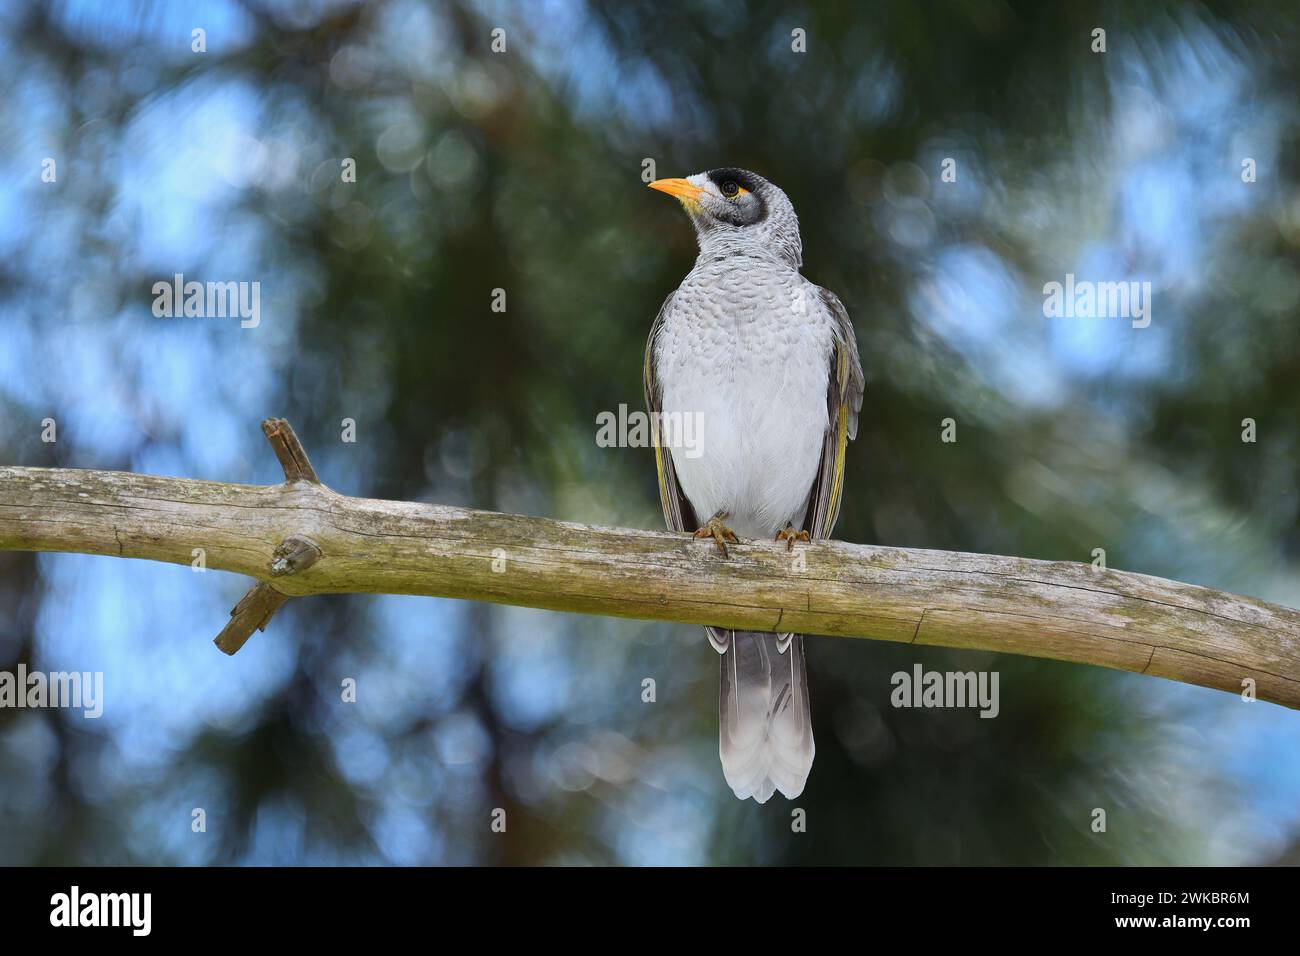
(734, 207)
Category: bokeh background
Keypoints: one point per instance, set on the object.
(522, 170)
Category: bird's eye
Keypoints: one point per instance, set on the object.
(730, 189)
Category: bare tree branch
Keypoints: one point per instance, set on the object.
(301, 538)
(295, 553)
(252, 613)
(288, 448)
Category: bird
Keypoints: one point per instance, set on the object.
(767, 363)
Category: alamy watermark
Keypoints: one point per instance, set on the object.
(212, 300)
(83, 690)
(133, 911)
(1098, 300)
(922, 688)
(640, 429)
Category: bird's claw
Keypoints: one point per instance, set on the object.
(789, 535)
(719, 532)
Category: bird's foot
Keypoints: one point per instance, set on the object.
(789, 535)
(719, 532)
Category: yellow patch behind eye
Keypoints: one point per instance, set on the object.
(742, 191)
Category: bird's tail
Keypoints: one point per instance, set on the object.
(765, 725)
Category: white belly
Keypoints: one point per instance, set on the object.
(755, 372)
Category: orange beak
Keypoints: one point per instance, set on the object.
(679, 188)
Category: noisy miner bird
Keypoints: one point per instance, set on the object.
(767, 364)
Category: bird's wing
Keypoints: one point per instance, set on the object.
(843, 402)
(677, 510)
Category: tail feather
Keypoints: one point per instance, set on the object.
(765, 724)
